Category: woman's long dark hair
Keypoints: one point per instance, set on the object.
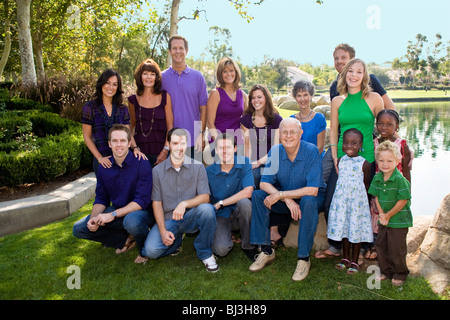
(118, 97)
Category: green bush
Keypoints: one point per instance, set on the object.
(39, 146)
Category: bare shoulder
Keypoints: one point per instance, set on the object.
(337, 101)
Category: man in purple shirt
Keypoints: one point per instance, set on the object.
(187, 87)
(121, 216)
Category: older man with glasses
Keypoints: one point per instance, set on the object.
(292, 184)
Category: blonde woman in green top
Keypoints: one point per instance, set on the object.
(356, 107)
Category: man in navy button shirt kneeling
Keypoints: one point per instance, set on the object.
(121, 216)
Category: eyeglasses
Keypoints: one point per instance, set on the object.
(286, 133)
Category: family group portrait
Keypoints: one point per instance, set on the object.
(145, 156)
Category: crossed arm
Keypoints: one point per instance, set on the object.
(287, 197)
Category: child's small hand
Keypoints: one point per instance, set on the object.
(384, 219)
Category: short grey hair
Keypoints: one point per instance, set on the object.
(303, 85)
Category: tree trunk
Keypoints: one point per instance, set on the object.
(37, 39)
(173, 24)
(7, 47)
(25, 43)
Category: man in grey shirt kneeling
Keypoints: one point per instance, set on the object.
(180, 198)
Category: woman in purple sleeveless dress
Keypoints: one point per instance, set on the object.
(150, 112)
(225, 104)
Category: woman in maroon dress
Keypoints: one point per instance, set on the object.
(151, 113)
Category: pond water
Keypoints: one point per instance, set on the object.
(426, 127)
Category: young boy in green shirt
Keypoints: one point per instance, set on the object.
(392, 193)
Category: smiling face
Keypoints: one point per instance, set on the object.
(229, 74)
(351, 144)
(258, 100)
(355, 75)
(119, 144)
(387, 125)
(177, 146)
(303, 99)
(387, 161)
(109, 89)
(290, 133)
(225, 150)
(341, 57)
(178, 52)
(148, 78)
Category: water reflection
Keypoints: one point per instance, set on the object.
(426, 127)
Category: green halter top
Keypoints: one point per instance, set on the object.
(354, 112)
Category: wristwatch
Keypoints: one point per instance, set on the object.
(114, 214)
(221, 204)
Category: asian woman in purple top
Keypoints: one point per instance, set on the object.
(226, 102)
(100, 114)
(150, 112)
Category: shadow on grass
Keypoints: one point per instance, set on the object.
(34, 265)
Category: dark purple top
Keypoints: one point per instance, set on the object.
(150, 142)
(260, 137)
(229, 113)
(97, 117)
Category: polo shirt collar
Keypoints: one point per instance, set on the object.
(186, 70)
(391, 178)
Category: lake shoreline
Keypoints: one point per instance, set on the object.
(433, 99)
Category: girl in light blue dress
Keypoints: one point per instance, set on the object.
(349, 217)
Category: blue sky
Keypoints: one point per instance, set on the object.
(305, 32)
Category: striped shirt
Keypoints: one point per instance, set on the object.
(389, 192)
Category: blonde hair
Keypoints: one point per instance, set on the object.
(223, 63)
(388, 146)
(342, 83)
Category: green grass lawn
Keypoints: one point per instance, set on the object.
(396, 94)
(34, 265)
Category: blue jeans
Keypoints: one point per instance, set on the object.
(115, 233)
(201, 218)
(260, 230)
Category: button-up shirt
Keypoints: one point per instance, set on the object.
(188, 92)
(96, 116)
(389, 192)
(120, 185)
(225, 184)
(171, 186)
(304, 171)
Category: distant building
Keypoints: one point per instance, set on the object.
(295, 74)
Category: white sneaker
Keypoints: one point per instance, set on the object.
(302, 270)
(262, 260)
(211, 264)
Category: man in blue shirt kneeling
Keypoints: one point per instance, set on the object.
(121, 216)
(231, 183)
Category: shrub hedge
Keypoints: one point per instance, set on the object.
(58, 149)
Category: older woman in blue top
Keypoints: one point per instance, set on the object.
(313, 123)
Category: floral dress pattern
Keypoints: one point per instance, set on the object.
(349, 215)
